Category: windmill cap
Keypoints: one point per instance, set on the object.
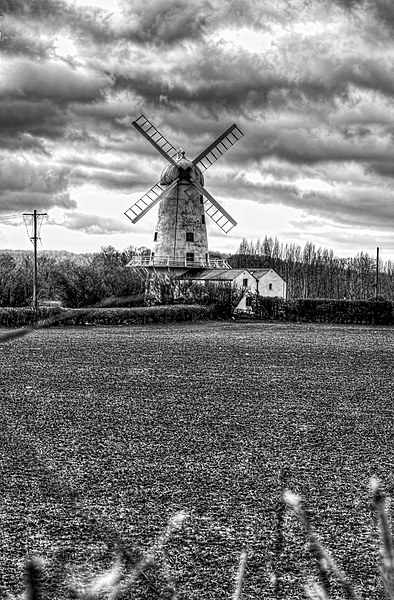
(184, 169)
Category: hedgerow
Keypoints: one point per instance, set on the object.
(19, 317)
(324, 310)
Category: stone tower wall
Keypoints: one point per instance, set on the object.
(181, 212)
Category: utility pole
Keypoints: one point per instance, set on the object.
(377, 273)
(34, 239)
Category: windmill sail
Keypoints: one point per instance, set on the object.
(153, 135)
(215, 211)
(215, 150)
(148, 200)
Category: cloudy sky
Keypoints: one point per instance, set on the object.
(309, 82)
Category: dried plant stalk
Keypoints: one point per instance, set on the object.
(387, 568)
(240, 576)
(294, 502)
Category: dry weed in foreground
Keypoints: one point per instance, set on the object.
(387, 549)
(240, 576)
(113, 583)
(326, 563)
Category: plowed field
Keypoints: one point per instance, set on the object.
(108, 432)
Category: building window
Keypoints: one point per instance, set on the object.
(189, 236)
(245, 283)
(203, 219)
(248, 301)
(155, 238)
(201, 199)
(270, 286)
(189, 257)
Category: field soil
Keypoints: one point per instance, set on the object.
(107, 433)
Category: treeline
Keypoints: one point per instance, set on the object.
(79, 280)
(74, 280)
(313, 272)
(85, 280)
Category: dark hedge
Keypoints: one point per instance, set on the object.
(19, 317)
(322, 310)
(325, 310)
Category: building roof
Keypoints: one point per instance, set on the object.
(216, 274)
(259, 273)
(226, 274)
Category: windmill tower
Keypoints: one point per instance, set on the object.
(180, 239)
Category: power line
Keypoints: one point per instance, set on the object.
(40, 222)
(10, 217)
(27, 228)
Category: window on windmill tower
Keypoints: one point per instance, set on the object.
(203, 219)
(201, 199)
(270, 286)
(155, 238)
(189, 236)
(248, 301)
(245, 283)
(189, 257)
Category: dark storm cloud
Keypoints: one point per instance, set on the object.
(305, 143)
(382, 10)
(52, 81)
(110, 179)
(335, 78)
(20, 174)
(40, 9)
(19, 40)
(35, 100)
(166, 21)
(24, 184)
(230, 83)
(219, 80)
(386, 169)
(26, 200)
(154, 23)
(24, 117)
(358, 206)
(22, 142)
(110, 174)
(172, 22)
(108, 109)
(93, 224)
(38, 16)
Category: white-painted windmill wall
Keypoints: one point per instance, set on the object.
(181, 212)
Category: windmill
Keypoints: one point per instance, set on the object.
(180, 238)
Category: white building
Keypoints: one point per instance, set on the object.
(265, 282)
